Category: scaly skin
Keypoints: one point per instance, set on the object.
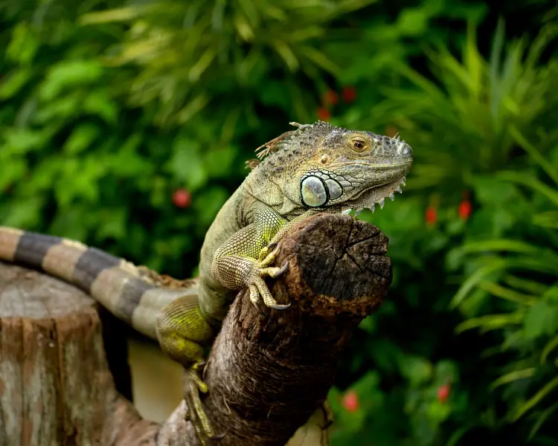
(316, 168)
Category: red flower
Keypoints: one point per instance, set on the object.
(350, 401)
(323, 114)
(464, 209)
(331, 97)
(349, 94)
(181, 198)
(444, 393)
(431, 215)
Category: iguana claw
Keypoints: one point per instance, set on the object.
(279, 272)
(280, 307)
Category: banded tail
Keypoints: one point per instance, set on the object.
(116, 284)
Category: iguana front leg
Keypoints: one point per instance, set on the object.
(266, 251)
(239, 262)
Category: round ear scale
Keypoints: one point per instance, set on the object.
(313, 192)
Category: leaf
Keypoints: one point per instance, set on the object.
(412, 21)
(23, 45)
(416, 369)
(192, 108)
(186, 164)
(81, 138)
(540, 319)
(112, 15)
(23, 140)
(201, 65)
(546, 219)
(489, 190)
(368, 324)
(541, 419)
(474, 279)
(490, 322)
(531, 286)
(507, 293)
(532, 183)
(546, 165)
(67, 74)
(532, 402)
(552, 344)
(320, 59)
(25, 213)
(543, 263)
(286, 54)
(99, 103)
(13, 82)
(499, 245)
(513, 376)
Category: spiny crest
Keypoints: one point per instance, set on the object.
(305, 133)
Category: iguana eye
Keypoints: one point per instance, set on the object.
(358, 144)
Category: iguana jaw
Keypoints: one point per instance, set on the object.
(373, 196)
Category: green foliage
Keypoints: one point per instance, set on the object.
(110, 108)
(192, 55)
(523, 275)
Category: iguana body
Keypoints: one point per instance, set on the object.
(316, 168)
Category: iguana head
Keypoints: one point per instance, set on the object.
(335, 169)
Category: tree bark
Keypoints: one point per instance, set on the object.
(268, 370)
(55, 383)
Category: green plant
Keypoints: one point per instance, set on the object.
(521, 271)
(462, 120)
(190, 56)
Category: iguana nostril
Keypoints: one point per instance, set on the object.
(404, 149)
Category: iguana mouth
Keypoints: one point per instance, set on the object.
(373, 196)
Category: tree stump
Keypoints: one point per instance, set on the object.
(268, 370)
(55, 383)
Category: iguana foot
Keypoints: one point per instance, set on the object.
(193, 386)
(257, 286)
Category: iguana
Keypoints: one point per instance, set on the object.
(315, 168)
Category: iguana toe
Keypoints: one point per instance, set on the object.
(266, 258)
(280, 271)
(193, 385)
(259, 289)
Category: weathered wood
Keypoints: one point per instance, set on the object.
(55, 385)
(268, 370)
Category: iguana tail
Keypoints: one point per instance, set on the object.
(121, 287)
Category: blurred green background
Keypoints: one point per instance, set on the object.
(127, 125)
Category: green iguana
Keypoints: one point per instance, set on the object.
(315, 168)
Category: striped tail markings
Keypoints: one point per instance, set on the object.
(113, 282)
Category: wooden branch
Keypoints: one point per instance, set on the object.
(268, 370)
